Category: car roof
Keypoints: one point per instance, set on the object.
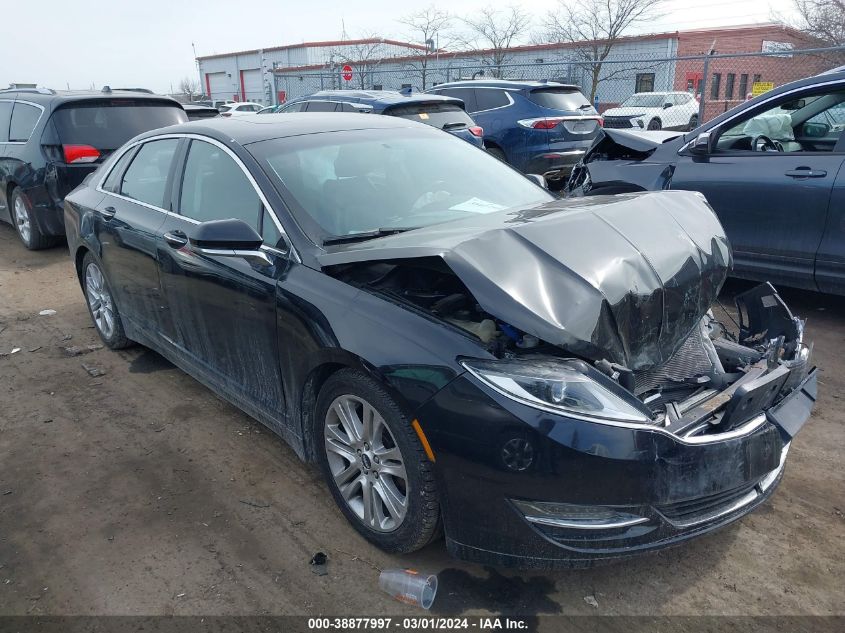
(516, 84)
(252, 128)
(46, 95)
(379, 97)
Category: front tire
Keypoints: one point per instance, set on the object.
(101, 305)
(655, 124)
(24, 221)
(374, 464)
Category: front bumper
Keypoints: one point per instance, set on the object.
(682, 489)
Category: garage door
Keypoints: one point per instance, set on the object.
(220, 86)
(253, 85)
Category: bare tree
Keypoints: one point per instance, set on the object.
(430, 27)
(822, 19)
(596, 26)
(189, 87)
(498, 31)
(364, 55)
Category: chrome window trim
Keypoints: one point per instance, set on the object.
(839, 82)
(37, 121)
(159, 137)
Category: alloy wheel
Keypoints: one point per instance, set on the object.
(99, 300)
(22, 220)
(366, 463)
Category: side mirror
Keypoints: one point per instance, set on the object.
(701, 145)
(228, 238)
(538, 180)
(667, 105)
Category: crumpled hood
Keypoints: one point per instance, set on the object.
(640, 140)
(630, 112)
(624, 278)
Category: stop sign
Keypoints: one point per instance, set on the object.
(347, 72)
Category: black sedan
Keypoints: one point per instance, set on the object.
(771, 168)
(542, 380)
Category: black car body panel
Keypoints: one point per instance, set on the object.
(663, 260)
(265, 332)
(754, 193)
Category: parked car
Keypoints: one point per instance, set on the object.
(539, 127)
(654, 111)
(51, 140)
(196, 111)
(772, 168)
(239, 108)
(541, 377)
(445, 113)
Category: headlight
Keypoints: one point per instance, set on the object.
(560, 386)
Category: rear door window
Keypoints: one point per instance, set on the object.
(467, 95)
(106, 124)
(438, 115)
(321, 106)
(490, 98)
(5, 117)
(24, 119)
(146, 178)
(559, 98)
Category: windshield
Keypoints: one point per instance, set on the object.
(644, 101)
(435, 114)
(560, 99)
(109, 124)
(360, 181)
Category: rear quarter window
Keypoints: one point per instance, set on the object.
(24, 119)
(490, 98)
(559, 98)
(5, 116)
(108, 124)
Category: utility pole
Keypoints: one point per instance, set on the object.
(711, 52)
(199, 72)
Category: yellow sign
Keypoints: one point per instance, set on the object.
(759, 87)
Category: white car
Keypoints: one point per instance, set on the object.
(239, 108)
(655, 111)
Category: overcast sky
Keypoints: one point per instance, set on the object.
(147, 43)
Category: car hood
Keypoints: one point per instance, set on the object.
(640, 141)
(623, 278)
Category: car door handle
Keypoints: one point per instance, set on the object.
(108, 212)
(176, 239)
(806, 172)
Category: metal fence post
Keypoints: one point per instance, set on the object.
(705, 75)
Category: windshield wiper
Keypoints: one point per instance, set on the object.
(586, 106)
(452, 126)
(364, 235)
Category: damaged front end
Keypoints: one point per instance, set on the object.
(611, 408)
(606, 168)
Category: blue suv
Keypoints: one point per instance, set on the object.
(446, 113)
(539, 127)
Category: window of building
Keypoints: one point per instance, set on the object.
(715, 85)
(757, 78)
(729, 85)
(644, 82)
(743, 85)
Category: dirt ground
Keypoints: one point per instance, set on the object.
(140, 492)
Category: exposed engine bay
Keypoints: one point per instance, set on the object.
(717, 379)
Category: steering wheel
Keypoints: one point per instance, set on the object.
(763, 143)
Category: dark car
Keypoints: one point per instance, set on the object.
(51, 140)
(541, 377)
(198, 111)
(441, 112)
(772, 168)
(539, 127)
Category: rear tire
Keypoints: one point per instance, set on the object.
(655, 124)
(101, 305)
(497, 153)
(374, 464)
(24, 221)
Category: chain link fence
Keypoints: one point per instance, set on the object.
(718, 81)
